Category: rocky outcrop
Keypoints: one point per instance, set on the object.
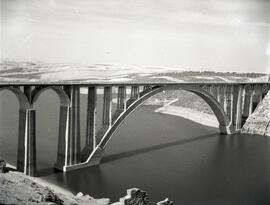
(259, 121)
(16, 188)
(136, 196)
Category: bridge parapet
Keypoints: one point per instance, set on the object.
(231, 103)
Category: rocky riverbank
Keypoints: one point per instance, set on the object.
(259, 121)
(16, 188)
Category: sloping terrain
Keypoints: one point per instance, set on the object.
(259, 120)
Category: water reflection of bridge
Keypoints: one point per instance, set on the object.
(232, 103)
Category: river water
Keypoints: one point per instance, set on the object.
(165, 155)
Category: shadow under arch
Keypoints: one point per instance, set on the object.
(62, 120)
(96, 155)
(24, 106)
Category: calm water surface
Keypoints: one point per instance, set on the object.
(165, 155)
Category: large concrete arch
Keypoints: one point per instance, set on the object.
(22, 99)
(96, 155)
(206, 96)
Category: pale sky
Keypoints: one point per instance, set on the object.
(221, 35)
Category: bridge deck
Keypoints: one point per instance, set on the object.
(127, 83)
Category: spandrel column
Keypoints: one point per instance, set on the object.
(90, 142)
(74, 146)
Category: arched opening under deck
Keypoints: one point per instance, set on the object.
(48, 102)
(12, 101)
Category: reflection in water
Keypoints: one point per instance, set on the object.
(167, 156)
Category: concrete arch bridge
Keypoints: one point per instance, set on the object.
(232, 103)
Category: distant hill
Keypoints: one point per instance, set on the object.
(11, 71)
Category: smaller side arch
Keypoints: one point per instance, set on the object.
(63, 97)
(23, 129)
(63, 128)
(23, 100)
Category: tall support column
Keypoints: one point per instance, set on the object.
(257, 96)
(235, 107)
(74, 146)
(145, 90)
(224, 91)
(121, 99)
(208, 88)
(147, 87)
(91, 117)
(63, 135)
(107, 113)
(221, 95)
(21, 152)
(30, 159)
(229, 102)
(90, 142)
(107, 106)
(26, 159)
(240, 107)
(213, 91)
(135, 94)
(121, 102)
(26, 154)
(247, 104)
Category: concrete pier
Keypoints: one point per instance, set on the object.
(30, 141)
(248, 101)
(106, 113)
(121, 102)
(107, 106)
(63, 137)
(134, 95)
(240, 108)
(21, 152)
(74, 141)
(236, 107)
(90, 142)
(229, 97)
